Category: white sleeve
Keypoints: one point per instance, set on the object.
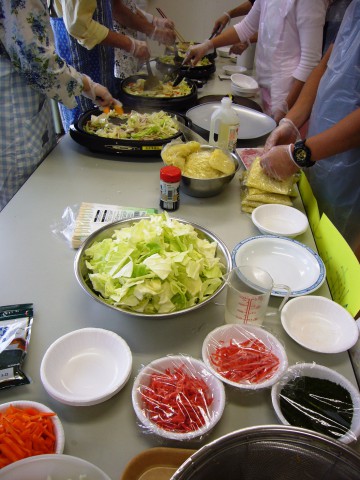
(310, 19)
(250, 24)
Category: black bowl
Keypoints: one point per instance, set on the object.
(202, 72)
(122, 146)
(172, 104)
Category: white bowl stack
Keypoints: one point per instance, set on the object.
(243, 85)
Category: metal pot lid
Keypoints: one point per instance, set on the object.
(253, 124)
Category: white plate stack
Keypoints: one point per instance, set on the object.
(243, 85)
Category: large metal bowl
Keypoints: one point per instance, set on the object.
(272, 452)
(208, 187)
(82, 272)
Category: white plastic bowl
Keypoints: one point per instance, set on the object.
(223, 52)
(282, 220)
(195, 368)
(321, 372)
(223, 335)
(242, 93)
(86, 367)
(319, 324)
(58, 428)
(244, 82)
(57, 467)
(231, 69)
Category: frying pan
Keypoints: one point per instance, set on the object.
(121, 147)
(175, 104)
(198, 72)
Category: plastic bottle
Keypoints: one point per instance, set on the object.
(169, 188)
(227, 122)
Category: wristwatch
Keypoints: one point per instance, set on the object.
(302, 154)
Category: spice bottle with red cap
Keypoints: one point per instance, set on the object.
(170, 177)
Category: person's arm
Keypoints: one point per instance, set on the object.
(225, 18)
(310, 19)
(126, 17)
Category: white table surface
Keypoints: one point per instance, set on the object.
(37, 266)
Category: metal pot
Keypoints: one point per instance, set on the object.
(121, 146)
(272, 452)
(202, 72)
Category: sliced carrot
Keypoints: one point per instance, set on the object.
(24, 433)
(106, 109)
(118, 109)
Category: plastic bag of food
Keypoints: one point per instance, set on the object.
(257, 178)
(79, 221)
(15, 330)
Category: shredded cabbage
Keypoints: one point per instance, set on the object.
(157, 265)
(134, 125)
(164, 90)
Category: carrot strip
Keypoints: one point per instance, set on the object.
(24, 433)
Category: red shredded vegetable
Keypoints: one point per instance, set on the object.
(177, 401)
(249, 361)
(25, 432)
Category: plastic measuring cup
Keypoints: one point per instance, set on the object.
(248, 293)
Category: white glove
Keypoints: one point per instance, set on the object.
(139, 49)
(284, 134)
(197, 52)
(163, 35)
(163, 23)
(278, 162)
(98, 94)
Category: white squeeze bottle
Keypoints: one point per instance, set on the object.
(227, 122)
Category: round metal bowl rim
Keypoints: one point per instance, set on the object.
(91, 238)
(296, 435)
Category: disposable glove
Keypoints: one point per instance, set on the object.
(163, 23)
(238, 48)
(99, 94)
(278, 162)
(139, 49)
(165, 36)
(284, 134)
(197, 52)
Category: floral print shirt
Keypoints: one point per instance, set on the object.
(26, 41)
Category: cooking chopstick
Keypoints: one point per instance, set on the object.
(180, 37)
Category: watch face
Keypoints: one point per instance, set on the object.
(302, 155)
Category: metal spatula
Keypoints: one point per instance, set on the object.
(151, 82)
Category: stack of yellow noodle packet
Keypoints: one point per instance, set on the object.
(257, 188)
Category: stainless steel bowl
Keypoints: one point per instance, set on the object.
(272, 452)
(208, 187)
(82, 272)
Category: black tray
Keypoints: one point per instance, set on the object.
(119, 146)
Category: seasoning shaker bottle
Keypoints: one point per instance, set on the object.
(170, 188)
(227, 122)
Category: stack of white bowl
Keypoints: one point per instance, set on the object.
(243, 85)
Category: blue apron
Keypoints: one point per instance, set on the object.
(335, 180)
(97, 63)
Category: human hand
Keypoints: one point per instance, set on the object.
(139, 49)
(285, 133)
(278, 162)
(238, 48)
(163, 35)
(99, 94)
(163, 23)
(197, 52)
(221, 23)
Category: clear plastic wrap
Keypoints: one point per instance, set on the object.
(15, 331)
(318, 398)
(79, 221)
(247, 357)
(176, 397)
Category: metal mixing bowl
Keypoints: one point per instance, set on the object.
(82, 272)
(208, 187)
(272, 452)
